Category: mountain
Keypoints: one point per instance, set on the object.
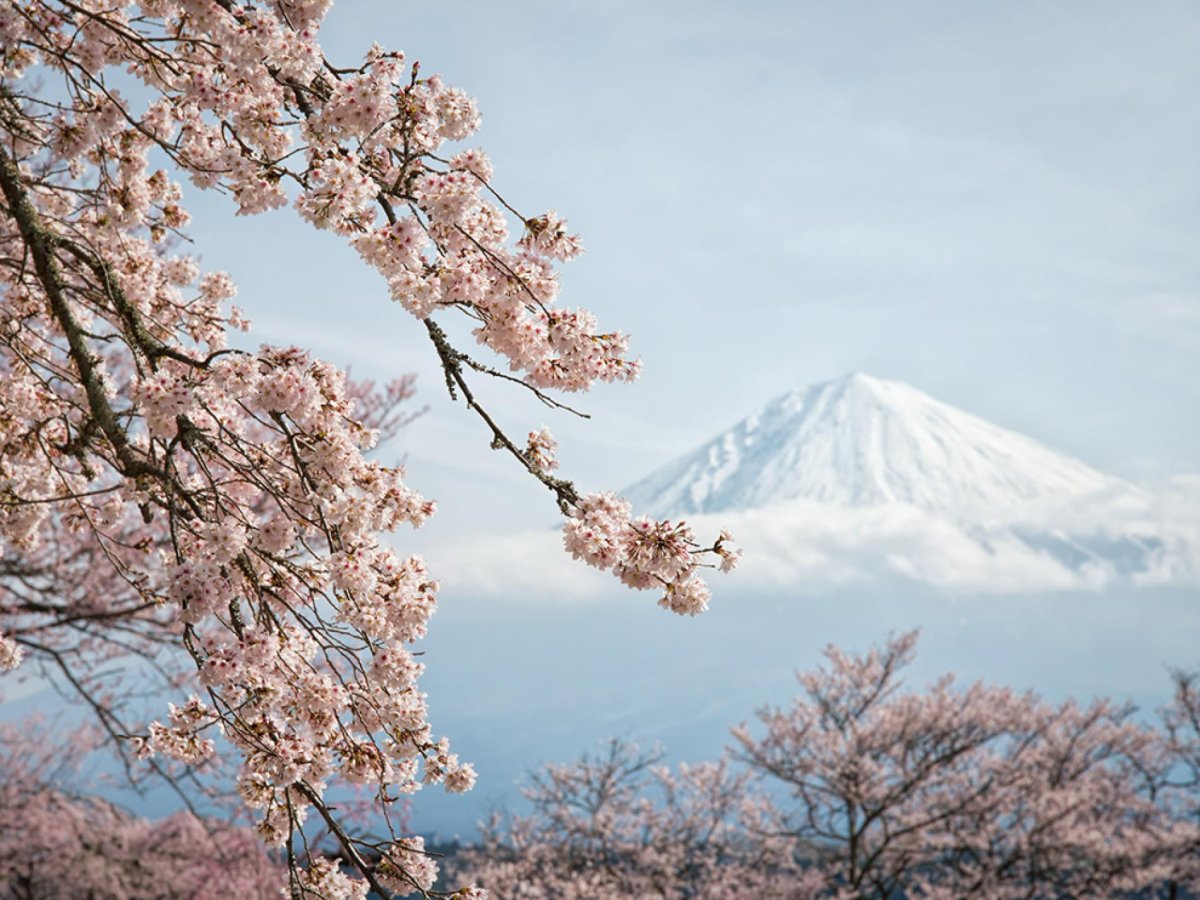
(866, 477)
(863, 441)
(862, 481)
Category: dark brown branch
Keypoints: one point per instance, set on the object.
(564, 491)
(40, 243)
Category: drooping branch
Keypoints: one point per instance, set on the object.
(452, 363)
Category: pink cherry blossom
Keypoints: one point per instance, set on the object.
(161, 491)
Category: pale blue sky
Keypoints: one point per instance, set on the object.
(994, 201)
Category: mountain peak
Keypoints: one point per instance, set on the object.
(861, 441)
(860, 380)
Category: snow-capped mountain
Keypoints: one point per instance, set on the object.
(862, 476)
(863, 441)
(862, 480)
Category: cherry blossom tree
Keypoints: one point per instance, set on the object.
(160, 486)
(863, 789)
(619, 824)
(951, 792)
(1180, 786)
(58, 844)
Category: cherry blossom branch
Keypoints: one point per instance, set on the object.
(564, 491)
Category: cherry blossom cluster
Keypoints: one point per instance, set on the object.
(644, 554)
(246, 104)
(11, 653)
(540, 450)
(183, 739)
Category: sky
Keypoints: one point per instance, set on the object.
(995, 202)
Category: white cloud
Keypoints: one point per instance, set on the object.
(1129, 538)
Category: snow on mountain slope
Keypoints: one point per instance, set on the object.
(863, 441)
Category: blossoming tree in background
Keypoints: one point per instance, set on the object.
(952, 792)
(61, 845)
(862, 789)
(158, 486)
(619, 824)
(1180, 791)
